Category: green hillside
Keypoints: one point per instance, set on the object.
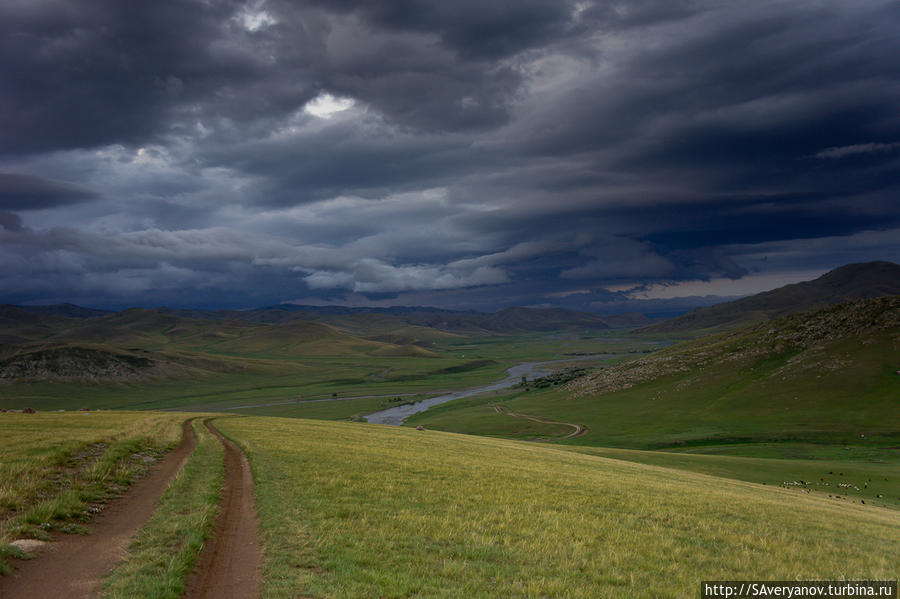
(826, 377)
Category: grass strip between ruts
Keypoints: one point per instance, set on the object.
(164, 551)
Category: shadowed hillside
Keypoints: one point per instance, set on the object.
(801, 338)
(801, 376)
(850, 282)
(828, 376)
(139, 344)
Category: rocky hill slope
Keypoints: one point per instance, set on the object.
(804, 342)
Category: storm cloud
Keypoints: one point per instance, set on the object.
(26, 192)
(463, 154)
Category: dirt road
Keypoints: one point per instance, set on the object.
(229, 564)
(578, 429)
(73, 566)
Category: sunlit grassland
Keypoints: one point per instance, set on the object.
(875, 481)
(356, 510)
(53, 465)
(871, 472)
(162, 554)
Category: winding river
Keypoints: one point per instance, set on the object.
(533, 370)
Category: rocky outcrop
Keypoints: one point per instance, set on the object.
(72, 363)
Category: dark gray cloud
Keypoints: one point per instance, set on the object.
(28, 192)
(10, 221)
(463, 153)
(470, 28)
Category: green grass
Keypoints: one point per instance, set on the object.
(164, 551)
(875, 481)
(354, 510)
(735, 390)
(250, 376)
(343, 409)
(8, 552)
(476, 416)
(53, 466)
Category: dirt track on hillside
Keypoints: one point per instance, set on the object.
(73, 566)
(229, 564)
(578, 429)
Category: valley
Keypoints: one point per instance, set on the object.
(519, 460)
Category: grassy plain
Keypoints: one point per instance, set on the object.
(53, 465)
(353, 409)
(875, 481)
(353, 510)
(309, 371)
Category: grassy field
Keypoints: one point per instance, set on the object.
(352, 409)
(875, 481)
(314, 377)
(315, 370)
(52, 466)
(354, 510)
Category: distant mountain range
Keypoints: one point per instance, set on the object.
(851, 282)
(377, 320)
(70, 343)
(414, 324)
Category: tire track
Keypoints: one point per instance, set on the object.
(229, 564)
(74, 566)
(579, 429)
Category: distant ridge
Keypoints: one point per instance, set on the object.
(851, 282)
(359, 319)
(542, 319)
(69, 310)
(455, 321)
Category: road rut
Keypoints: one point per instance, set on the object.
(229, 564)
(578, 429)
(73, 567)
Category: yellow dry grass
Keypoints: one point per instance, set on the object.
(355, 510)
(52, 463)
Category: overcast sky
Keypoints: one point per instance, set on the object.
(467, 154)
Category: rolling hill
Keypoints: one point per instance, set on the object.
(827, 376)
(850, 282)
(379, 321)
(138, 344)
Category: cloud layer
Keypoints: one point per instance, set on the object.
(465, 154)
